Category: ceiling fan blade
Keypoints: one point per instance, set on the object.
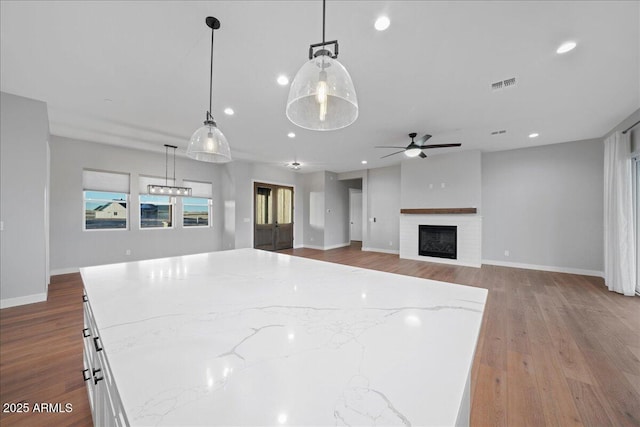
(422, 155)
(387, 146)
(439, 146)
(424, 139)
(392, 154)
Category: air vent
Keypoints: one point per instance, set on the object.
(503, 84)
(498, 132)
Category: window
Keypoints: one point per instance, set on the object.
(156, 211)
(103, 210)
(195, 211)
(105, 196)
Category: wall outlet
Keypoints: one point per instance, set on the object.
(430, 185)
(390, 243)
(442, 185)
(506, 252)
(127, 252)
(312, 239)
(246, 219)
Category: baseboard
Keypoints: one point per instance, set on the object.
(28, 299)
(326, 248)
(384, 251)
(569, 270)
(58, 271)
(339, 245)
(298, 246)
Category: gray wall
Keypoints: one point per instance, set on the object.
(423, 180)
(544, 205)
(383, 204)
(313, 208)
(237, 190)
(72, 247)
(336, 211)
(24, 135)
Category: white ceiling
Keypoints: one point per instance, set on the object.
(136, 73)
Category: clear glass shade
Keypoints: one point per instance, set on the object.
(208, 144)
(322, 96)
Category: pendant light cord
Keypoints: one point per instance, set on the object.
(211, 78)
(166, 165)
(174, 165)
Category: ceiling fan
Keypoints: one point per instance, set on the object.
(414, 149)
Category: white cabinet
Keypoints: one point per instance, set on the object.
(106, 406)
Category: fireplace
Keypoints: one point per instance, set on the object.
(438, 241)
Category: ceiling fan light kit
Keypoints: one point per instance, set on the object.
(414, 149)
(208, 143)
(322, 96)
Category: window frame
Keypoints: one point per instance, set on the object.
(172, 211)
(209, 205)
(105, 200)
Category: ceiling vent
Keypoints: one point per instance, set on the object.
(503, 84)
(498, 132)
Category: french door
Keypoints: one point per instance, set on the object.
(273, 216)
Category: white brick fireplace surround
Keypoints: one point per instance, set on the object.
(469, 237)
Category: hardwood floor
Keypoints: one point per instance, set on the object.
(555, 349)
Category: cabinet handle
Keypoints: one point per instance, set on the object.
(85, 376)
(84, 298)
(95, 342)
(86, 333)
(95, 378)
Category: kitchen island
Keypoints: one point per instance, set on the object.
(247, 337)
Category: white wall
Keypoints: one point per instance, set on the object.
(459, 173)
(544, 205)
(383, 204)
(24, 134)
(72, 247)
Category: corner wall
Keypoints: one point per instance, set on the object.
(544, 206)
(24, 187)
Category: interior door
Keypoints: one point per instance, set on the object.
(355, 214)
(273, 218)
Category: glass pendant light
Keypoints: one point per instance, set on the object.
(322, 96)
(208, 144)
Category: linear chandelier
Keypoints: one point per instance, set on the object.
(166, 189)
(322, 96)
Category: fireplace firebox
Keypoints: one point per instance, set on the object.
(438, 241)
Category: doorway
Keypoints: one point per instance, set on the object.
(273, 216)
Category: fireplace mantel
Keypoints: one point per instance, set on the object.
(439, 211)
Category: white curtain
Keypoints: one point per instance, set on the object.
(619, 248)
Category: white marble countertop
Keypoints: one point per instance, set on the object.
(248, 337)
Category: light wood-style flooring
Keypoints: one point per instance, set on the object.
(555, 349)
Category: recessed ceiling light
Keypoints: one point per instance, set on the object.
(382, 23)
(291, 135)
(228, 111)
(364, 162)
(283, 80)
(533, 135)
(566, 47)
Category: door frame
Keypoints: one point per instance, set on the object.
(252, 221)
(351, 192)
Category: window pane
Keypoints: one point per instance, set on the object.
(104, 210)
(195, 212)
(156, 211)
(284, 205)
(263, 206)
